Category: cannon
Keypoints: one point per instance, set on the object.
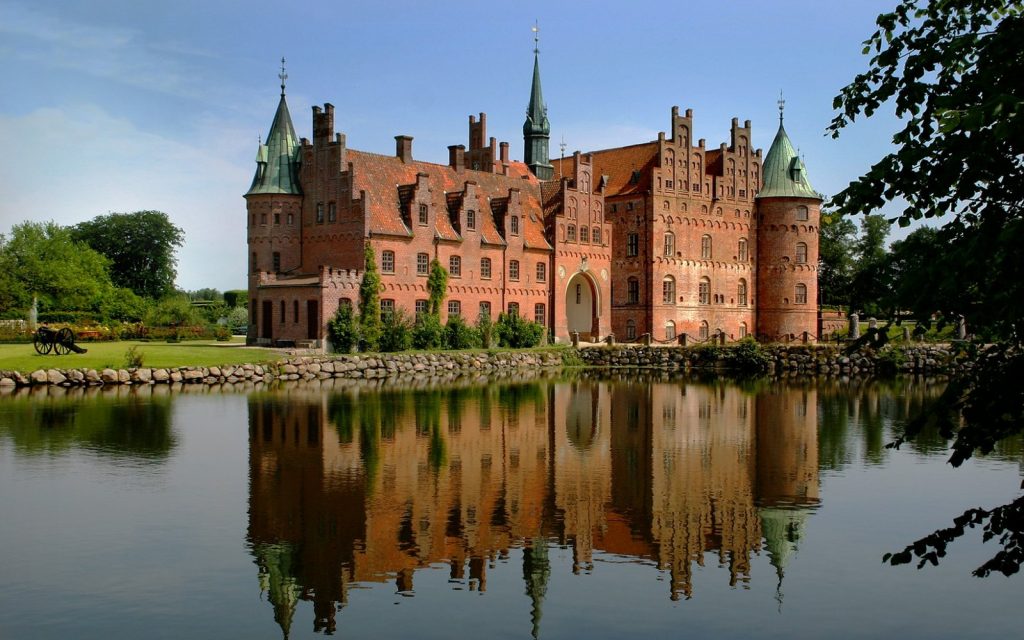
(60, 341)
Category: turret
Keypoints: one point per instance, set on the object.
(787, 245)
(537, 129)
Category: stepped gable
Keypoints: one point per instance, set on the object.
(619, 164)
(382, 179)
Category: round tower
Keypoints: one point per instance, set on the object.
(788, 211)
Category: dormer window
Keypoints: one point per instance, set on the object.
(423, 214)
(471, 219)
(514, 225)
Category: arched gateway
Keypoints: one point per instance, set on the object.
(582, 301)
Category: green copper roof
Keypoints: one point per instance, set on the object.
(277, 161)
(536, 112)
(784, 173)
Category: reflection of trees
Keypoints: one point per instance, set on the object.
(125, 426)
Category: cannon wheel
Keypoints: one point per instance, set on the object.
(42, 346)
(63, 341)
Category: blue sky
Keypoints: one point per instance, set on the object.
(129, 105)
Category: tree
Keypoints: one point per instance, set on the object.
(437, 286)
(369, 303)
(870, 282)
(835, 258)
(952, 69)
(140, 247)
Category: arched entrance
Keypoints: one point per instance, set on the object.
(581, 304)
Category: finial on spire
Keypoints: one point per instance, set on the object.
(561, 145)
(536, 37)
(283, 76)
(782, 105)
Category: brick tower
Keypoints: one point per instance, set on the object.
(787, 245)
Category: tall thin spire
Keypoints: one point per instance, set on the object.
(283, 75)
(782, 106)
(537, 129)
(277, 160)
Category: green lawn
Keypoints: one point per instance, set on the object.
(23, 357)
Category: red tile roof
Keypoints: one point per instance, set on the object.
(619, 164)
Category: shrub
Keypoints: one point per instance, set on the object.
(342, 329)
(396, 334)
(427, 332)
(747, 356)
(236, 298)
(238, 320)
(133, 358)
(369, 303)
(515, 332)
(485, 329)
(890, 360)
(459, 335)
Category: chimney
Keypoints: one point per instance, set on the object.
(457, 157)
(504, 152)
(403, 148)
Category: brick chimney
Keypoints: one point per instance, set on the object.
(403, 148)
(457, 157)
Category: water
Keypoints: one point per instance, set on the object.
(552, 509)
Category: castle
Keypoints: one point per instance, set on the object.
(666, 238)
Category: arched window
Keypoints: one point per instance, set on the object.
(743, 330)
(668, 290)
(742, 254)
(670, 245)
(801, 213)
(630, 329)
(455, 266)
(704, 291)
(801, 293)
(705, 247)
(632, 291)
(801, 252)
(670, 330)
(704, 332)
(485, 268)
(387, 262)
(571, 233)
(741, 293)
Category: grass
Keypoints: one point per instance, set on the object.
(23, 357)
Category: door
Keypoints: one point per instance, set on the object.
(312, 320)
(267, 330)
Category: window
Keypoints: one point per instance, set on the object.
(668, 184)
(319, 213)
(485, 268)
(630, 329)
(741, 293)
(485, 309)
(255, 263)
(295, 310)
(291, 218)
(471, 219)
(801, 293)
(332, 212)
(281, 311)
(455, 266)
(513, 308)
(632, 291)
(742, 250)
(277, 218)
(632, 245)
(570, 233)
(514, 225)
(705, 247)
(670, 330)
(584, 234)
(670, 244)
(801, 214)
(513, 269)
(703, 332)
(542, 272)
(387, 307)
(743, 330)
(596, 235)
(421, 307)
(454, 308)
(801, 252)
(704, 291)
(579, 293)
(668, 290)
(277, 261)
(422, 264)
(539, 315)
(423, 214)
(387, 261)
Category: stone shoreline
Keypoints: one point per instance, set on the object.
(782, 360)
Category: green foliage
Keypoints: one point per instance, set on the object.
(173, 311)
(437, 286)
(397, 332)
(889, 361)
(427, 332)
(236, 298)
(952, 70)
(238, 320)
(485, 329)
(747, 356)
(343, 330)
(459, 335)
(515, 332)
(140, 247)
(835, 258)
(133, 357)
(871, 278)
(369, 303)
(123, 305)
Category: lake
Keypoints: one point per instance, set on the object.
(559, 507)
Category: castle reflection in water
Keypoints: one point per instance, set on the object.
(349, 487)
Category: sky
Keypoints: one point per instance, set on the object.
(119, 106)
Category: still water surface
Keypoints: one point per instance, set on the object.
(552, 509)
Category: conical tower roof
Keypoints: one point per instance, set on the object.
(536, 111)
(277, 161)
(784, 173)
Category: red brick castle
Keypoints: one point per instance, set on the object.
(664, 238)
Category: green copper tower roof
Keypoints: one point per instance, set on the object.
(784, 173)
(536, 111)
(537, 129)
(277, 161)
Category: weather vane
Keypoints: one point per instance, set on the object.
(536, 36)
(283, 76)
(782, 105)
(562, 146)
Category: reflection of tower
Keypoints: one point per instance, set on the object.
(536, 572)
(277, 580)
(787, 469)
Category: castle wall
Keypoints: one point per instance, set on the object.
(783, 269)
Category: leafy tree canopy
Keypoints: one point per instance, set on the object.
(952, 69)
(369, 303)
(140, 247)
(835, 258)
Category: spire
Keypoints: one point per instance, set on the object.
(536, 574)
(277, 161)
(537, 129)
(784, 172)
